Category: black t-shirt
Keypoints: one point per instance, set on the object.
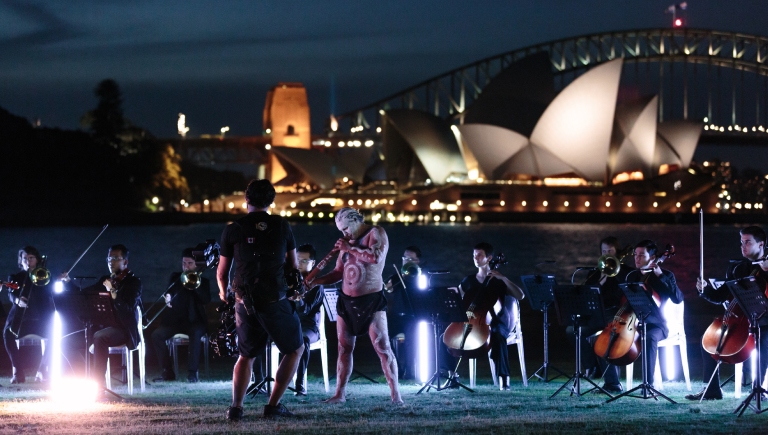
(258, 243)
(497, 290)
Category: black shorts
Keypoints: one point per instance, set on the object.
(277, 321)
(358, 312)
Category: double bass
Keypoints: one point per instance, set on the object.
(472, 338)
(619, 343)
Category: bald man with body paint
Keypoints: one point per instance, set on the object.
(361, 305)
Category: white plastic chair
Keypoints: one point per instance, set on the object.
(321, 344)
(515, 337)
(177, 340)
(127, 355)
(673, 313)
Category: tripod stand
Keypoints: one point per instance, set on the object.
(751, 298)
(642, 303)
(538, 288)
(577, 305)
(265, 386)
(436, 302)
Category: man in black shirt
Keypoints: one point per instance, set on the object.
(184, 314)
(752, 250)
(492, 285)
(125, 289)
(664, 284)
(611, 295)
(262, 247)
(400, 311)
(308, 309)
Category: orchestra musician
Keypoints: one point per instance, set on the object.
(262, 246)
(31, 313)
(184, 314)
(753, 250)
(660, 281)
(308, 309)
(400, 320)
(361, 305)
(125, 288)
(498, 287)
(611, 295)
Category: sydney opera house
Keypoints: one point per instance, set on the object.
(520, 147)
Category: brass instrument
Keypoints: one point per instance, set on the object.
(40, 276)
(410, 268)
(760, 260)
(610, 265)
(191, 279)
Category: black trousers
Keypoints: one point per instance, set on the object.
(309, 338)
(195, 332)
(15, 356)
(102, 341)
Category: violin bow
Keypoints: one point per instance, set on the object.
(701, 244)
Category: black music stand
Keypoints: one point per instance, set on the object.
(265, 386)
(752, 299)
(641, 301)
(538, 290)
(578, 305)
(329, 302)
(89, 309)
(441, 304)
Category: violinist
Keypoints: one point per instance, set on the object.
(308, 309)
(125, 289)
(31, 313)
(184, 314)
(611, 295)
(663, 283)
(752, 250)
(498, 288)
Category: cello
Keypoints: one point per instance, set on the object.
(619, 342)
(472, 338)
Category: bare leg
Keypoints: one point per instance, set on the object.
(344, 362)
(241, 377)
(380, 339)
(284, 375)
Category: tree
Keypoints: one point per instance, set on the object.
(107, 122)
(167, 182)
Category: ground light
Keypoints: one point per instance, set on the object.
(424, 343)
(72, 393)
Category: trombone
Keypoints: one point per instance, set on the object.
(609, 265)
(190, 279)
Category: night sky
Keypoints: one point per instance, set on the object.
(215, 60)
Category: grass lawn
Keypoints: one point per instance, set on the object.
(181, 408)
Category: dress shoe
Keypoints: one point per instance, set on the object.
(707, 394)
(278, 410)
(235, 413)
(166, 376)
(192, 377)
(300, 390)
(18, 376)
(613, 388)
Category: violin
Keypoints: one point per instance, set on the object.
(10, 284)
(619, 343)
(116, 278)
(472, 338)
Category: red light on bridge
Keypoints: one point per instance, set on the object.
(678, 22)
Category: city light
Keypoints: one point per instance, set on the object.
(181, 125)
(155, 200)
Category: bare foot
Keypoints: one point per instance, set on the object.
(335, 399)
(398, 401)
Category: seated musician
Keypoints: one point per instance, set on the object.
(184, 314)
(500, 290)
(664, 284)
(611, 295)
(308, 309)
(125, 289)
(753, 250)
(31, 313)
(400, 311)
